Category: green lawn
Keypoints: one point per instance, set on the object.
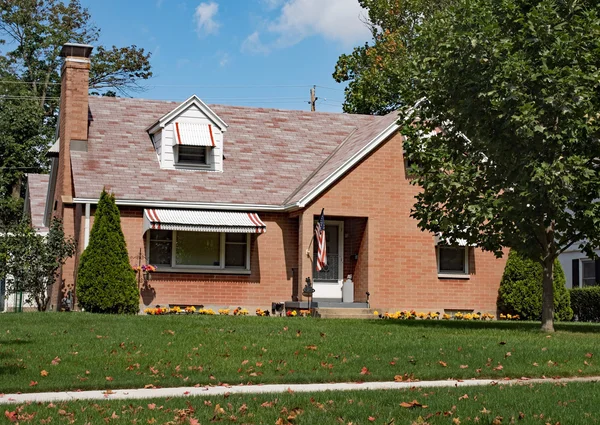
(85, 351)
(573, 403)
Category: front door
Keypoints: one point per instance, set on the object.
(328, 281)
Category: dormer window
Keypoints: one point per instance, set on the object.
(189, 137)
(192, 155)
(193, 144)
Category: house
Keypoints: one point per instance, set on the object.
(223, 200)
(580, 271)
(35, 200)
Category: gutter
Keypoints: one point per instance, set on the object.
(193, 205)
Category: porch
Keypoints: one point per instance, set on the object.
(343, 282)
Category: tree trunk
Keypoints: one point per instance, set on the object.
(548, 295)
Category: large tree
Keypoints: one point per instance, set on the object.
(32, 33)
(376, 69)
(504, 132)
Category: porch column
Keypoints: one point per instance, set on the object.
(305, 254)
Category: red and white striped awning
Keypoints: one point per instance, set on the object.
(194, 134)
(203, 221)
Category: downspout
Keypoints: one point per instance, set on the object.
(86, 230)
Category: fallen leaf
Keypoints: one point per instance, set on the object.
(151, 406)
(365, 371)
(443, 364)
(110, 378)
(371, 419)
(464, 366)
(55, 361)
(412, 404)
(33, 383)
(589, 355)
(11, 416)
(463, 397)
(398, 378)
(43, 373)
(311, 347)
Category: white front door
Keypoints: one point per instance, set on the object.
(328, 281)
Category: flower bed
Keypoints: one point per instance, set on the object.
(414, 315)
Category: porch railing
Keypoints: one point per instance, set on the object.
(329, 273)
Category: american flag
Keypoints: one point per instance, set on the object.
(321, 243)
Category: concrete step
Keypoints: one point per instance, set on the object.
(346, 313)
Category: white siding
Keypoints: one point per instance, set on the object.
(158, 144)
(566, 261)
(193, 115)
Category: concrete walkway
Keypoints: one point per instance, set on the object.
(262, 389)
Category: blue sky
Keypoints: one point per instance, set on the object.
(239, 52)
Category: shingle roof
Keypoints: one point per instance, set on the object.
(37, 185)
(269, 153)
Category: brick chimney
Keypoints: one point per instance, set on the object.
(73, 118)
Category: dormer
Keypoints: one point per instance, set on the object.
(189, 137)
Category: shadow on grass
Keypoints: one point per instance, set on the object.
(498, 325)
(15, 342)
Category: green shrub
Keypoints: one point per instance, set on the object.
(105, 280)
(586, 303)
(521, 290)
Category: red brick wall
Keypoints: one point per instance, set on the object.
(273, 255)
(397, 262)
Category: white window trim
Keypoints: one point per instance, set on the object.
(221, 269)
(453, 275)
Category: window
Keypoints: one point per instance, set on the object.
(191, 155)
(589, 273)
(161, 247)
(452, 260)
(199, 250)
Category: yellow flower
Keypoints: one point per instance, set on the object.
(375, 313)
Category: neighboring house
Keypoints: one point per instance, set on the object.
(35, 201)
(223, 200)
(580, 271)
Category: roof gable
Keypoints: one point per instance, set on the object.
(193, 101)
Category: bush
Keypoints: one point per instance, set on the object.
(586, 303)
(105, 280)
(521, 290)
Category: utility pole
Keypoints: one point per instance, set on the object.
(313, 99)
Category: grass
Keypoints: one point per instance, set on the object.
(46, 352)
(573, 403)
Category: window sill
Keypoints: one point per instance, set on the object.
(453, 276)
(181, 166)
(202, 271)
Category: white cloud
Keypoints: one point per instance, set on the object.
(337, 20)
(204, 18)
(252, 44)
(224, 59)
(340, 21)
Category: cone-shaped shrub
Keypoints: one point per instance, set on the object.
(521, 290)
(105, 280)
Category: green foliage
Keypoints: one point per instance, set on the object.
(105, 279)
(376, 70)
(586, 303)
(511, 88)
(35, 30)
(520, 290)
(33, 260)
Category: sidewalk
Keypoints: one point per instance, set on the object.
(261, 389)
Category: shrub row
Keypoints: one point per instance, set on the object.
(585, 303)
